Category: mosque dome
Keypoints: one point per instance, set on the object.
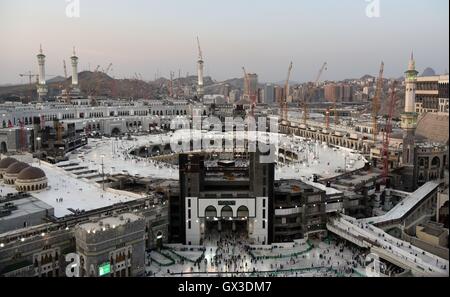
(4, 163)
(31, 179)
(16, 168)
(31, 173)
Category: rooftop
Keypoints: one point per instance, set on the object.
(110, 222)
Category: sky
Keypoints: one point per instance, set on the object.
(159, 36)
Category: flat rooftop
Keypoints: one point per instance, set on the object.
(110, 222)
(26, 206)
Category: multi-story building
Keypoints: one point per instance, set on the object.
(432, 94)
(121, 257)
(269, 94)
(338, 92)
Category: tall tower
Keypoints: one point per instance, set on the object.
(409, 124)
(75, 87)
(200, 90)
(41, 86)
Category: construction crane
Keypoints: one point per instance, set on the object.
(387, 133)
(319, 75)
(30, 77)
(376, 103)
(108, 68)
(284, 110)
(310, 93)
(200, 54)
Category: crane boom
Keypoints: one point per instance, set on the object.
(387, 134)
(286, 92)
(376, 103)
(200, 55)
(108, 68)
(324, 67)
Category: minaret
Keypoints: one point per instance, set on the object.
(200, 90)
(75, 87)
(41, 86)
(409, 123)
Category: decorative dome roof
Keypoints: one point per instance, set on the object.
(16, 168)
(31, 173)
(4, 163)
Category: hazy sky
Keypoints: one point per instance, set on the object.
(262, 35)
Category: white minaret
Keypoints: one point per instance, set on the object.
(409, 124)
(41, 86)
(200, 90)
(75, 87)
(410, 82)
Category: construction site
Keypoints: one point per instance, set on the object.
(357, 166)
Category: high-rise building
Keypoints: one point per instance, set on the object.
(332, 92)
(269, 94)
(279, 94)
(339, 92)
(432, 94)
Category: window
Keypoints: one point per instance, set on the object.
(264, 202)
(264, 214)
(189, 224)
(264, 224)
(189, 202)
(189, 214)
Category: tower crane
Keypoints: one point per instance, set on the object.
(200, 54)
(284, 108)
(387, 133)
(310, 93)
(30, 76)
(376, 103)
(319, 75)
(108, 68)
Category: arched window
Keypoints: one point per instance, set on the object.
(210, 211)
(436, 162)
(227, 211)
(242, 212)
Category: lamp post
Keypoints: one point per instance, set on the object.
(103, 173)
(38, 139)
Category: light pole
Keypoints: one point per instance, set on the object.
(103, 173)
(38, 139)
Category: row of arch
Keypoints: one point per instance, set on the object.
(169, 112)
(227, 211)
(31, 188)
(334, 140)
